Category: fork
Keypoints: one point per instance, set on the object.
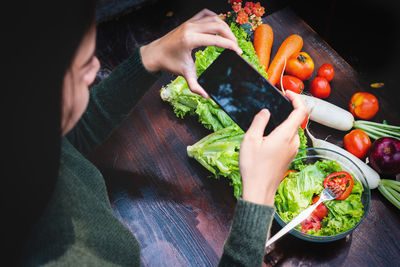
(328, 193)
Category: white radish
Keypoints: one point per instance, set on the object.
(328, 114)
(371, 175)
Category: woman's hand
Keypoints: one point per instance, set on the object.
(173, 52)
(264, 159)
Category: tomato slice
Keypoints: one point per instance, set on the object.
(343, 179)
(287, 173)
(321, 211)
(312, 222)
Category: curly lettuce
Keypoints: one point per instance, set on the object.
(219, 153)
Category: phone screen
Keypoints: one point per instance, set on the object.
(241, 91)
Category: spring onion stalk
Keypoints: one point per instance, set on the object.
(390, 189)
(377, 130)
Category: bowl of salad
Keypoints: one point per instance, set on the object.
(302, 185)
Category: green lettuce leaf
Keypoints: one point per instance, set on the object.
(219, 153)
(295, 192)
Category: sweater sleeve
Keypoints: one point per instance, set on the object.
(110, 102)
(245, 245)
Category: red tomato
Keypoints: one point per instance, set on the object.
(363, 105)
(312, 222)
(357, 143)
(287, 173)
(320, 87)
(326, 71)
(343, 179)
(321, 211)
(300, 65)
(291, 83)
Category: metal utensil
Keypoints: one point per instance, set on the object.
(328, 193)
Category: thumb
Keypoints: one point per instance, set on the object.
(259, 123)
(194, 86)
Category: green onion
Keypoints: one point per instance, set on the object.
(377, 130)
(390, 189)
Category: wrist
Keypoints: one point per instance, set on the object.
(148, 58)
(260, 195)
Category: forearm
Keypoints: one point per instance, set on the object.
(110, 102)
(245, 245)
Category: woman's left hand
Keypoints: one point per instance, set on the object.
(173, 52)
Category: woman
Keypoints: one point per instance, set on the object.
(65, 212)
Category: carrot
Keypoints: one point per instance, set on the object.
(291, 45)
(263, 38)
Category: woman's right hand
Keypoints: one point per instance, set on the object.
(264, 159)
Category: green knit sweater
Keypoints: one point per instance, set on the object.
(78, 227)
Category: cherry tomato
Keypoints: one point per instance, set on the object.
(326, 71)
(312, 222)
(321, 211)
(320, 87)
(287, 173)
(363, 105)
(291, 83)
(300, 65)
(343, 179)
(357, 143)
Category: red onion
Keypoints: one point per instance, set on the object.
(384, 155)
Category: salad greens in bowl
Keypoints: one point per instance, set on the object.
(302, 185)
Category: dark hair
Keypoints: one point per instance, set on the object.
(40, 41)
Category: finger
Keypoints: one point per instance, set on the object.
(202, 39)
(216, 27)
(291, 125)
(259, 123)
(297, 100)
(195, 87)
(190, 76)
(203, 13)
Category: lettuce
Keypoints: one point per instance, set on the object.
(219, 153)
(295, 194)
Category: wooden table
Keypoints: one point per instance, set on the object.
(179, 215)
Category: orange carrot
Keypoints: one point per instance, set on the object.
(291, 45)
(263, 38)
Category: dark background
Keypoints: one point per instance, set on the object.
(365, 33)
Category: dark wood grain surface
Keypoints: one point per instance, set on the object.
(179, 215)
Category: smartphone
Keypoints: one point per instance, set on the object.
(241, 91)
